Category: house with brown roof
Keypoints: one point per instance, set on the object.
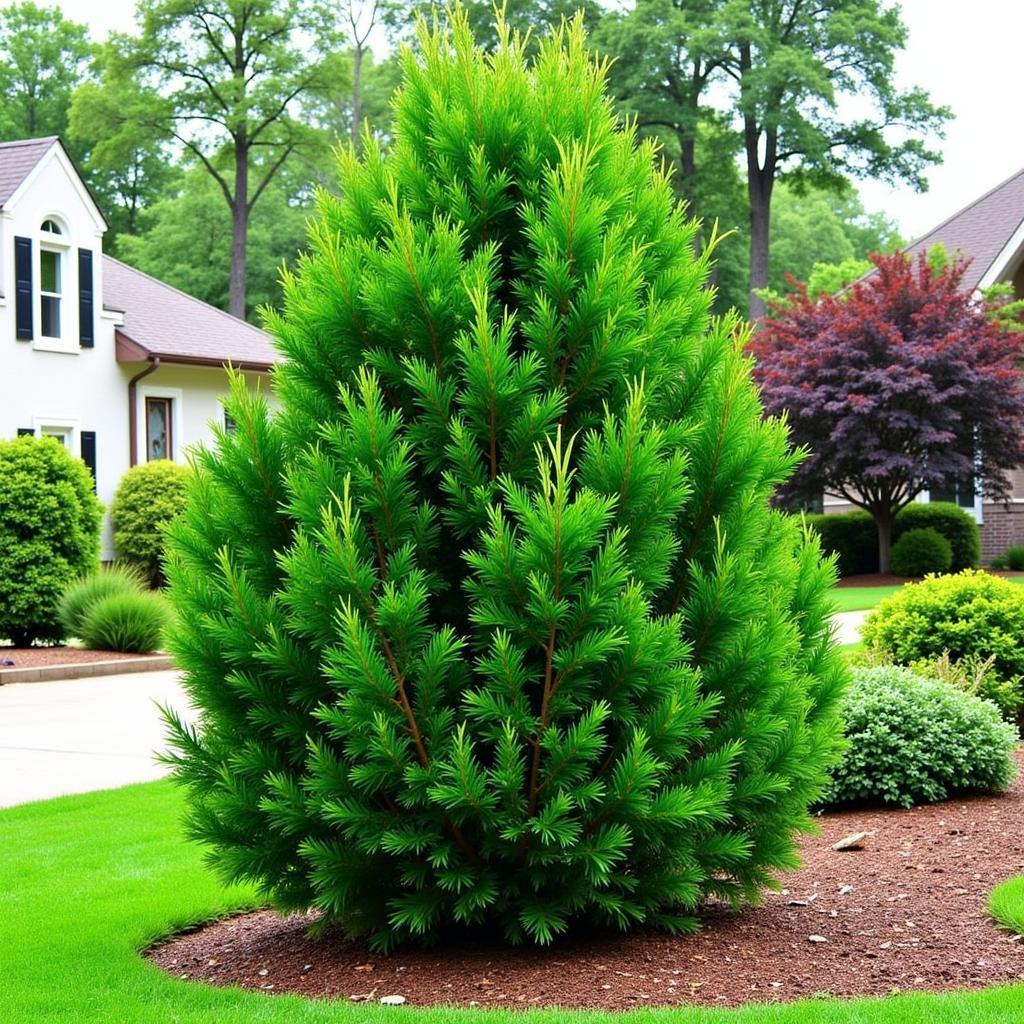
(990, 233)
(119, 367)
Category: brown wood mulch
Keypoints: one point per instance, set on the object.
(39, 657)
(905, 912)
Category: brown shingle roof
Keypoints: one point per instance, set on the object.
(17, 160)
(980, 230)
(161, 321)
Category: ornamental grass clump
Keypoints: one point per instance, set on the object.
(491, 624)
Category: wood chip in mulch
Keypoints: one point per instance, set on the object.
(39, 657)
(905, 912)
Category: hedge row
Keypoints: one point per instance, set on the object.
(852, 535)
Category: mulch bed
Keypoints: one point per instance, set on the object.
(40, 657)
(906, 912)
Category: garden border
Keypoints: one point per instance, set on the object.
(86, 669)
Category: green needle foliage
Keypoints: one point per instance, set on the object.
(491, 624)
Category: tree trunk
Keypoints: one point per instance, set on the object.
(883, 524)
(760, 220)
(357, 101)
(239, 231)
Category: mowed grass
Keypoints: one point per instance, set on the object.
(1006, 904)
(88, 881)
(859, 599)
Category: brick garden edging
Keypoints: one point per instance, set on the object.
(85, 669)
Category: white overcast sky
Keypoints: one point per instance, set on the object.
(967, 55)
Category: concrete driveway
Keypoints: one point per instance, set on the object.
(78, 735)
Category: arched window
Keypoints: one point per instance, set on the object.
(52, 272)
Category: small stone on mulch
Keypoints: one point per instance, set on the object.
(907, 914)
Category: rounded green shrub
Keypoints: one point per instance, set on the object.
(913, 740)
(852, 537)
(85, 591)
(952, 522)
(1012, 558)
(50, 523)
(133, 622)
(492, 624)
(968, 614)
(148, 497)
(920, 552)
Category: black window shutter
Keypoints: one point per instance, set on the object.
(86, 337)
(26, 432)
(23, 288)
(88, 442)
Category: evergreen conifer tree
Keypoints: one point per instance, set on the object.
(490, 623)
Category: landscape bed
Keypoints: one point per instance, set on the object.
(44, 657)
(907, 911)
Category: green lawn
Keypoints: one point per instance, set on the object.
(857, 599)
(86, 881)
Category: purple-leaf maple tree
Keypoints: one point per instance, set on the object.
(899, 384)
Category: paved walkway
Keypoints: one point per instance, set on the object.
(848, 626)
(78, 735)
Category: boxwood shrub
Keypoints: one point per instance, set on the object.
(852, 535)
(913, 740)
(956, 525)
(148, 497)
(49, 533)
(919, 552)
(964, 614)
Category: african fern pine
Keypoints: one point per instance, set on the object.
(490, 622)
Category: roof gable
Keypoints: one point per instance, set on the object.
(17, 161)
(22, 160)
(982, 231)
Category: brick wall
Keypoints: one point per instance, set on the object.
(1003, 525)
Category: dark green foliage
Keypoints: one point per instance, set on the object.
(956, 525)
(49, 534)
(1012, 558)
(921, 551)
(492, 624)
(129, 622)
(85, 591)
(914, 740)
(148, 497)
(970, 614)
(851, 537)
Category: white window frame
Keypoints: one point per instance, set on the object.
(60, 244)
(69, 428)
(154, 391)
(978, 511)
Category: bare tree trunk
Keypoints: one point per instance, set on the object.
(760, 221)
(239, 230)
(883, 524)
(357, 100)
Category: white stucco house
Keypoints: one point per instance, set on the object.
(118, 366)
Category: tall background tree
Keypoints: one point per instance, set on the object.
(788, 79)
(226, 80)
(899, 384)
(43, 58)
